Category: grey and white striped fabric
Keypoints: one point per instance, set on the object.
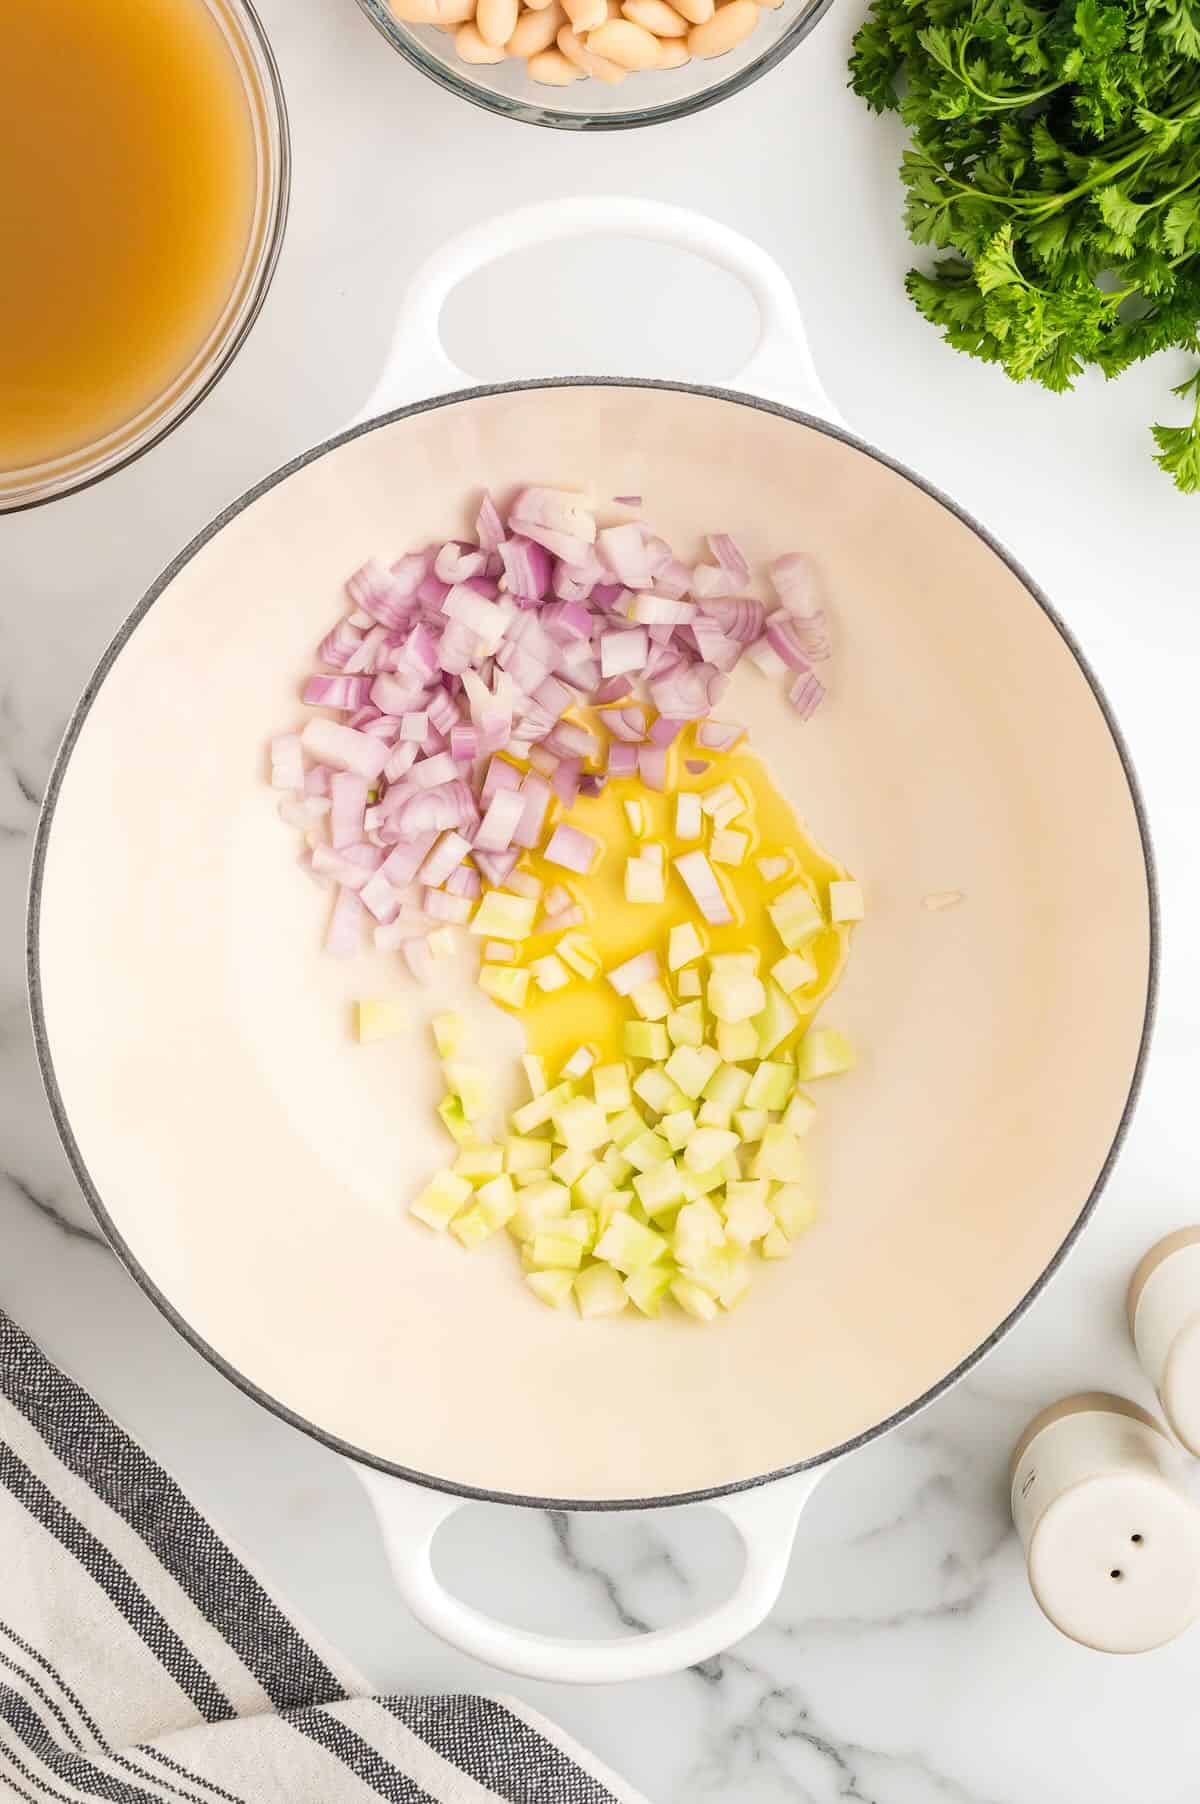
(142, 1662)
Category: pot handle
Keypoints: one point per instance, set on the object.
(765, 1518)
(780, 368)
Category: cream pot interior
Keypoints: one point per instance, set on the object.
(253, 1162)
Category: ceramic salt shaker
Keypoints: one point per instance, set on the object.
(1111, 1539)
(1164, 1319)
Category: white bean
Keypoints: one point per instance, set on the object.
(552, 67)
(672, 54)
(496, 21)
(697, 11)
(536, 30)
(623, 42)
(577, 52)
(454, 12)
(415, 12)
(656, 16)
(474, 49)
(727, 27)
(585, 15)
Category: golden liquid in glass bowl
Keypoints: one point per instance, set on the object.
(127, 193)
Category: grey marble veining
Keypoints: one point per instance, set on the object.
(906, 1662)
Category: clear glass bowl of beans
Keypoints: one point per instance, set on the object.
(594, 65)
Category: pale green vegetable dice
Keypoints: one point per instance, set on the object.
(539, 1205)
(534, 1067)
(581, 1124)
(799, 1115)
(617, 1202)
(647, 1287)
(645, 881)
(569, 1164)
(610, 1086)
(478, 1163)
(472, 1228)
(736, 995)
(677, 1127)
(599, 1291)
(501, 916)
(770, 1085)
(653, 1086)
(699, 1230)
(776, 1021)
(775, 1244)
(537, 1112)
(505, 983)
(780, 1156)
(773, 868)
(729, 846)
(658, 1188)
(707, 1147)
(716, 800)
(724, 1274)
(702, 1183)
(593, 1185)
(733, 964)
(751, 1124)
(554, 1288)
(556, 1252)
(846, 901)
(549, 973)
(616, 1164)
(684, 946)
(579, 951)
(578, 1224)
(793, 971)
(381, 1021)
(648, 1150)
(796, 916)
(498, 1201)
(441, 1200)
(737, 1040)
(747, 1217)
(625, 1127)
(646, 1040)
(688, 984)
(449, 1034)
(794, 1208)
(685, 1025)
(690, 1068)
(635, 815)
(629, 1245)
(579, 1063)
(689, 822)
(823, 1052)
(450, 1110)
(651, 1000)
(727, 1087)
(694, 1301)
(440, 942)
(522, 1154)
(467, 1081)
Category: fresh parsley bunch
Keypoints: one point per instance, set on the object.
(1056, 154)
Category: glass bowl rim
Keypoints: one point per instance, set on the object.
(402, 40)
(91, 465)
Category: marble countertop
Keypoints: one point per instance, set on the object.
(906, 1662)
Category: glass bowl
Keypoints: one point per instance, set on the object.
(647, 98)
(84, 464)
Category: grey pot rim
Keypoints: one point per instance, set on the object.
(75, 1154)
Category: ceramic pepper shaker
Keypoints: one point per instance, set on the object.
(1111, 1539)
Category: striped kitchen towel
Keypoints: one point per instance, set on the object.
(142, 1662)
